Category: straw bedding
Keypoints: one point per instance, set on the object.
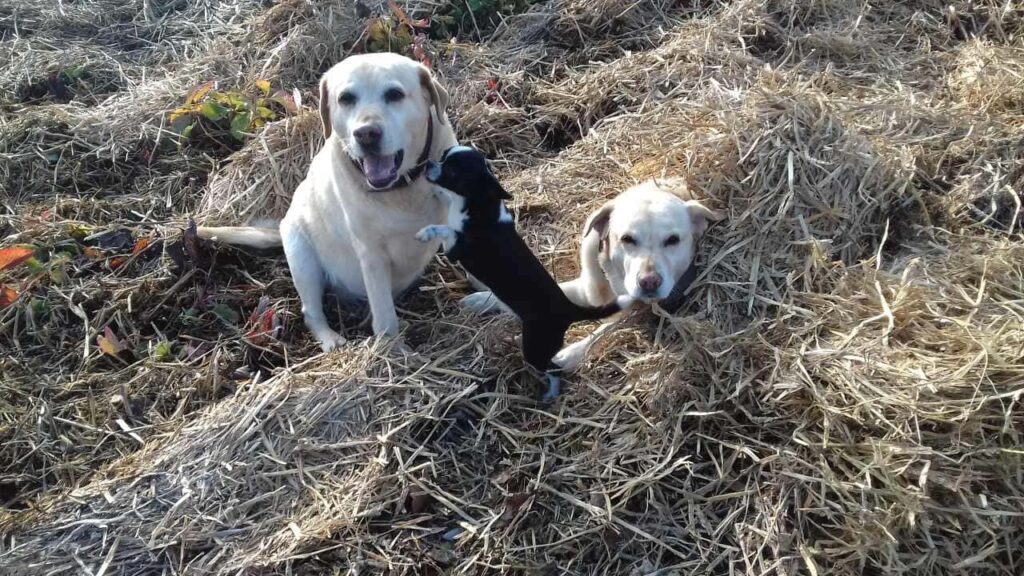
(840, 392)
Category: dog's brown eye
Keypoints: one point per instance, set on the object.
(627, 239)
(393, 95)
(672, 240)
(347, 99)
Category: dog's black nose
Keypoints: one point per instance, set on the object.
(650, 283)
(368, 136)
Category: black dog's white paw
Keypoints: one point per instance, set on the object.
(554, 390)
(432, 232)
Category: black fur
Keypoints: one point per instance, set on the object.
(493, 252)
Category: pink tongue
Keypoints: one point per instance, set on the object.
(379, 170)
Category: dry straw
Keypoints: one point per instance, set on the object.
(840, 393)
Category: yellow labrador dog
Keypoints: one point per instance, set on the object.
(352, 223)
(638, 244)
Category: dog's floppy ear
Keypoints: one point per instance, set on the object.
(499, 190)
(599, 220)
(325, 108)
(700, 215)
(438, 95)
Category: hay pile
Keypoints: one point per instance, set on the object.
(840, 394)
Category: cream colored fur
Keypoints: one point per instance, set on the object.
(649, 213)
(339, 231)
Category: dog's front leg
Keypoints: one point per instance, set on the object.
(570, 357)
(591, 288)
(308, 278)
(377, 281)
(435, 231)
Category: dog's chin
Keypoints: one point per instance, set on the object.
(646, 298)
(380, 170)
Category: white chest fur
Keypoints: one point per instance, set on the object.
(456, 205)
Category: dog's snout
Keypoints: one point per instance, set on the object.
(433, 171)
(650, 282)
(368, 135)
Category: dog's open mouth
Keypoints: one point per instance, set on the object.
(380, 170)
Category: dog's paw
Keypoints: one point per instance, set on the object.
(570, 357)
(554, 390)
(430, 233)
(396, 347)
(481, 302)
(330, 340)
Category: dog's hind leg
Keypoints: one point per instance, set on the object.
(308, 278)
(540, 342)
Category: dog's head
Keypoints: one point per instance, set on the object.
(379, 106)
(464, 171)
(650, 235)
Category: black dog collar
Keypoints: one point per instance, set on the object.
(677, 297)
(421, 162)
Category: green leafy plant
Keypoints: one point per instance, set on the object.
(55, 269)
(473, 17)
(216, 112)
(74, 75)
(161, 351)
(226, 314)
(397, 32)
(60, 85)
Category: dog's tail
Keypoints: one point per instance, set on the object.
(599, 312)
(252, 236)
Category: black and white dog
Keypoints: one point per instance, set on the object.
(481, 236)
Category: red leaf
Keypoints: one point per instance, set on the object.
(116, 263)
(8, 296)
(264, 323)
(198, 93)
(492, 91)
(93, 253)
(269, 321)
(419, 52)
(261, 307)
(403, 19)
(11, 257)
(108, 342)
(140, 245)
